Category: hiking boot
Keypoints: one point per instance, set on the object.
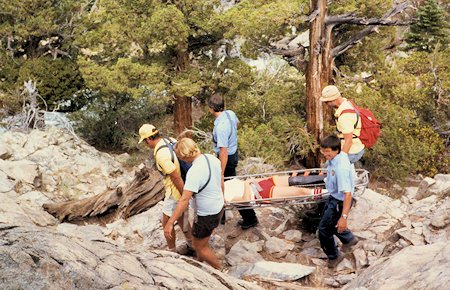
(185, 250)
(333, 263)
(347, 247)
(247, 225)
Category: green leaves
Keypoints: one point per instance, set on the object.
(260, 22)
(430, 28)
(123, 77)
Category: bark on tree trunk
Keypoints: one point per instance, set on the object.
(182, 114)
(314, 78)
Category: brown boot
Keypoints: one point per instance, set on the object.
(345, 248)
(333, 263)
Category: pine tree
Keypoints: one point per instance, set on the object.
(429, 29)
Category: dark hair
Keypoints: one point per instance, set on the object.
(216, 103)
(332, 142)
(153, 137)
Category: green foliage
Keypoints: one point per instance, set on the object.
(123, 77)
(430, 28)
(270, 113)
(168, 27)
(276, 141)
(361, 8)
(109, 123)
(367, 56)
(232, 77)
(140, 48)
(407, 145)
(260, 22)
(34, 34)
(418, 83)
(57, 81)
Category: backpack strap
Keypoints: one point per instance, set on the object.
(231, 126)
(169, 144)
(209, 176)
(353, 111)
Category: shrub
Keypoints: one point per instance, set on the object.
(58, 81)
(407, 145)
(113, 123)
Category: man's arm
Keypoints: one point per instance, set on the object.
(348, 141)
(342, 222)
(177, 180)
(223, 157)
(182, 205)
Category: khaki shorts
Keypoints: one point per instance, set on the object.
(169, 206)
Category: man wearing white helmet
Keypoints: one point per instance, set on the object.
(168, 165)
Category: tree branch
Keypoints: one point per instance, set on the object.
(384, 21)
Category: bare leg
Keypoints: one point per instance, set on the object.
(204, 252)
(170, 242)
(188, 233)
(289, 191)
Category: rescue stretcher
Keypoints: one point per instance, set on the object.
(361, 183)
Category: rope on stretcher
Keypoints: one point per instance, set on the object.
(360, 186)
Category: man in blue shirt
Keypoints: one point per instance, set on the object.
(340, 184)
(226, 147)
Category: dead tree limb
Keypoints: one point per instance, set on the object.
(373, 26)
(143, 192)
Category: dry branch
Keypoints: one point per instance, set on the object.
(143, 192)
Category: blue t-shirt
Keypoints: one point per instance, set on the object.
(339, 176)
(225, 132)
(210, 200)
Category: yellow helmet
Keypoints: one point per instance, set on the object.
(146, 131)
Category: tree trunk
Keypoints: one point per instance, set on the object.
(314, 77)
(182, 113)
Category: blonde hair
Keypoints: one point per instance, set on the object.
(186, 148)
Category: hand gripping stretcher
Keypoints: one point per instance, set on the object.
(361, 183)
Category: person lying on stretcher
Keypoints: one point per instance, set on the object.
(272, 187)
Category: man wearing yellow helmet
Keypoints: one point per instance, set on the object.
(168, 165)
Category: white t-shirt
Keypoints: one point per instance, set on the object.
(210, 200)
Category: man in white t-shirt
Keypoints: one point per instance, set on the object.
(204, 182)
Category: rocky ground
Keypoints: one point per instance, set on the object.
(404, 242)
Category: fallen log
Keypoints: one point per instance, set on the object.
(143, 192)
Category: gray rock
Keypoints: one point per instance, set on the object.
(293, 235)
(278, 247)
(411, 236)
(280, 271)
(344, 279)
(423, 187)
(360, 259)
(39, 258)
(414, 267)
(441, 217)
(244, 252)
(345, 265)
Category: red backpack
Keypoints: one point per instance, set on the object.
(370, 126)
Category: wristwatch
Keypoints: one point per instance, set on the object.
(344, 216)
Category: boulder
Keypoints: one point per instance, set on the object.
(414, 267)
(41, 258)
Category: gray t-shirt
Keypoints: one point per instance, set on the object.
(210, 200)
